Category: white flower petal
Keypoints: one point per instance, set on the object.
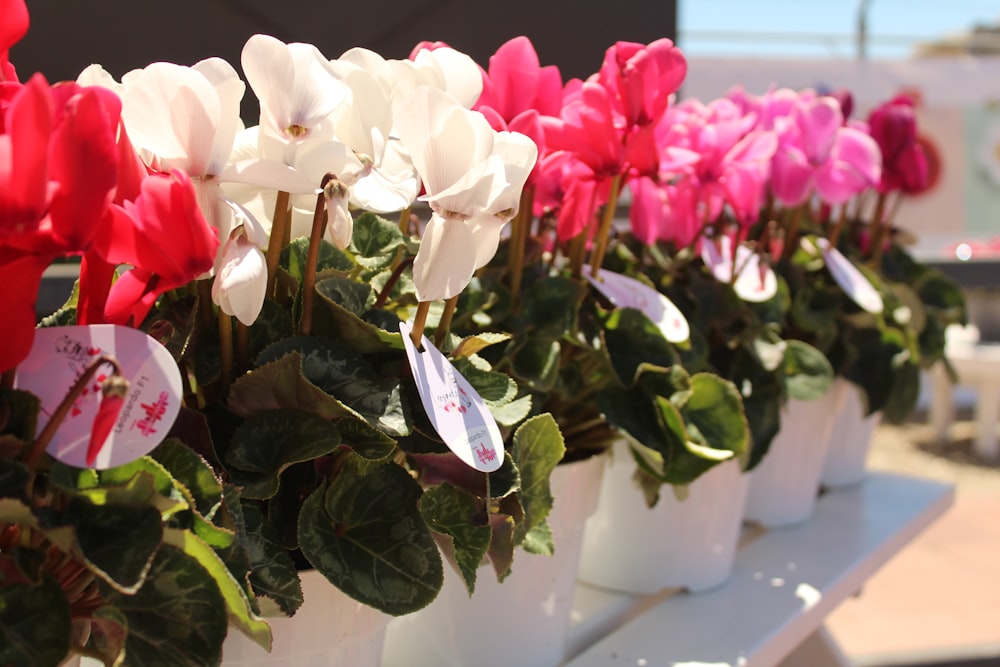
(268, 174)
(96, 75)
(241, 283)
(445, 261)
(445, 141)
(485, 230)
(229, 89)
(463, 79)
(340, 222)
(294, 83)
(173, 112)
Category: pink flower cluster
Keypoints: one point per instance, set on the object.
(71, 184)
(690, 164)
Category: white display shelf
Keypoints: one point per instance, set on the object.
(784, 584)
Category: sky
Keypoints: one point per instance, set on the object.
(822, 28)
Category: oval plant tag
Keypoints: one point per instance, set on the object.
(456, 410)
(756, 282)
(60, 355)
(625, 292)
(850, 279)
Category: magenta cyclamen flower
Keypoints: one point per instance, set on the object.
(894, 127)
(817, 152)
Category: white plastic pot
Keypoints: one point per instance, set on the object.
(688, 543)
(521, 622)
(850, 440)
(783, 487)
(330, 628)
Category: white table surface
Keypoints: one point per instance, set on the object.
(784, 584)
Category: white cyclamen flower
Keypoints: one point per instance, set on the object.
(295, 85)
(473, 176)
(241, 273)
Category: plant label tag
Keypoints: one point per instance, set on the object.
(851, 280)
(756, 282)
(60, 355)
(625, 292)
(456, 410)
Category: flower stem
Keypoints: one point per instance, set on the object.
(404, 220)
(794, 217)
(445, 324)
(242, 346)
(225, 351)
(45, 437)
(279, 222)
(877, 230)
(518, 239)
(604, 231)
(838, 227)
(419, 323)
(312, 258)
(394, 277)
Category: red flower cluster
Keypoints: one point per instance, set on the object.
(71, 184)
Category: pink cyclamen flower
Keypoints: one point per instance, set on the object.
(641, 78)
(516, 82)
(817, 152)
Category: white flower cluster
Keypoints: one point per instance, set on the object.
(382, 127)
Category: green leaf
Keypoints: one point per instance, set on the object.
(808, 373)
(494, 388)
(539, 541)
(350, 379)
(283, 510)
(280, 384)
(537, 448)
(716, 427)
(633, 340)
(14, 477)
(236, 604)
(473, 344)
(536, 363)
(293, 258)
(365, 534)
(273, 323)
(347, 301)
(268, 443)
(451, 513)
(550, 307)
(34, 611)
(119, 541)
(177, 615)
(193, 472)
(21, 410)
(510, 414)
(376, 237)
(273, 573)
(367, 442)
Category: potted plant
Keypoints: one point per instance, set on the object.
(302, 432)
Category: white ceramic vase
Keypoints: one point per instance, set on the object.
(521, 622)
(850, 439)
(330, 628)
(688, 543)
(784, 485)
